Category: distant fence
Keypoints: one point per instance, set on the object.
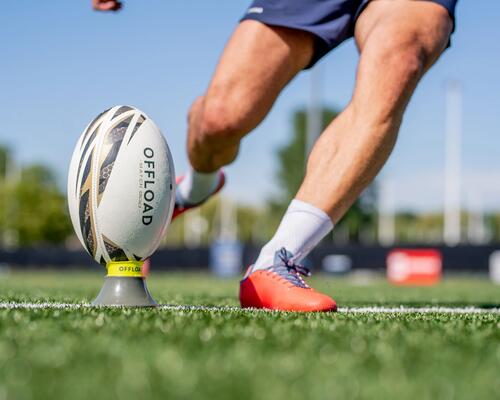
(463, 258)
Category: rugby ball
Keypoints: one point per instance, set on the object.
(121, 186)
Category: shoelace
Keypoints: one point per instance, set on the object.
(291, 271)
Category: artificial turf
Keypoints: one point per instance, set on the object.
(95, 354)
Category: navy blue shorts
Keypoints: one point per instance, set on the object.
(331, 21)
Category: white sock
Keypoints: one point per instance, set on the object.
(301, 229)
(196, 186)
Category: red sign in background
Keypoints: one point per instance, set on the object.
(414, 266)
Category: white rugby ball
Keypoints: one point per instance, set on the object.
(121, 186)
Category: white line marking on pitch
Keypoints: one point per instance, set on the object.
(359, 310)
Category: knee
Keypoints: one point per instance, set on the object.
(217, 120)
(406, 62)
(416, 52)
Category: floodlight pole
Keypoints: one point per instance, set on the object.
(192, 232)
(12, 177)
(452, 232)
(3, 237)
(386, 214)
(228, 220)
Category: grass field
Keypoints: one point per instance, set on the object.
(234, 354)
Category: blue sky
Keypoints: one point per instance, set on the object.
(62, 64)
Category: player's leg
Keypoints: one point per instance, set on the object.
(398, 42)
(257, 63)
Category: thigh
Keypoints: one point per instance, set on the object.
(257, 63)
(399, 40)
(330, 21)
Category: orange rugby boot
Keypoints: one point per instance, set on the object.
(182, 208)
(281, 287)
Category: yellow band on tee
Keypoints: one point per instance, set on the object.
(125, 268)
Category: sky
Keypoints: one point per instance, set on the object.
(62, 63)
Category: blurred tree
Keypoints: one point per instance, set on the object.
(34, 209)
(4, 156)
(42, 215)
(360, 220)
(419, 228)
(493, 226)
(250, 224)
(38, 174)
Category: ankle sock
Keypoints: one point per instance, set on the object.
(196, 187)
(301, 229)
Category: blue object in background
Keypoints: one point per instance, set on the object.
(226, 258)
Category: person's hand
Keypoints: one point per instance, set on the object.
(106, 5)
